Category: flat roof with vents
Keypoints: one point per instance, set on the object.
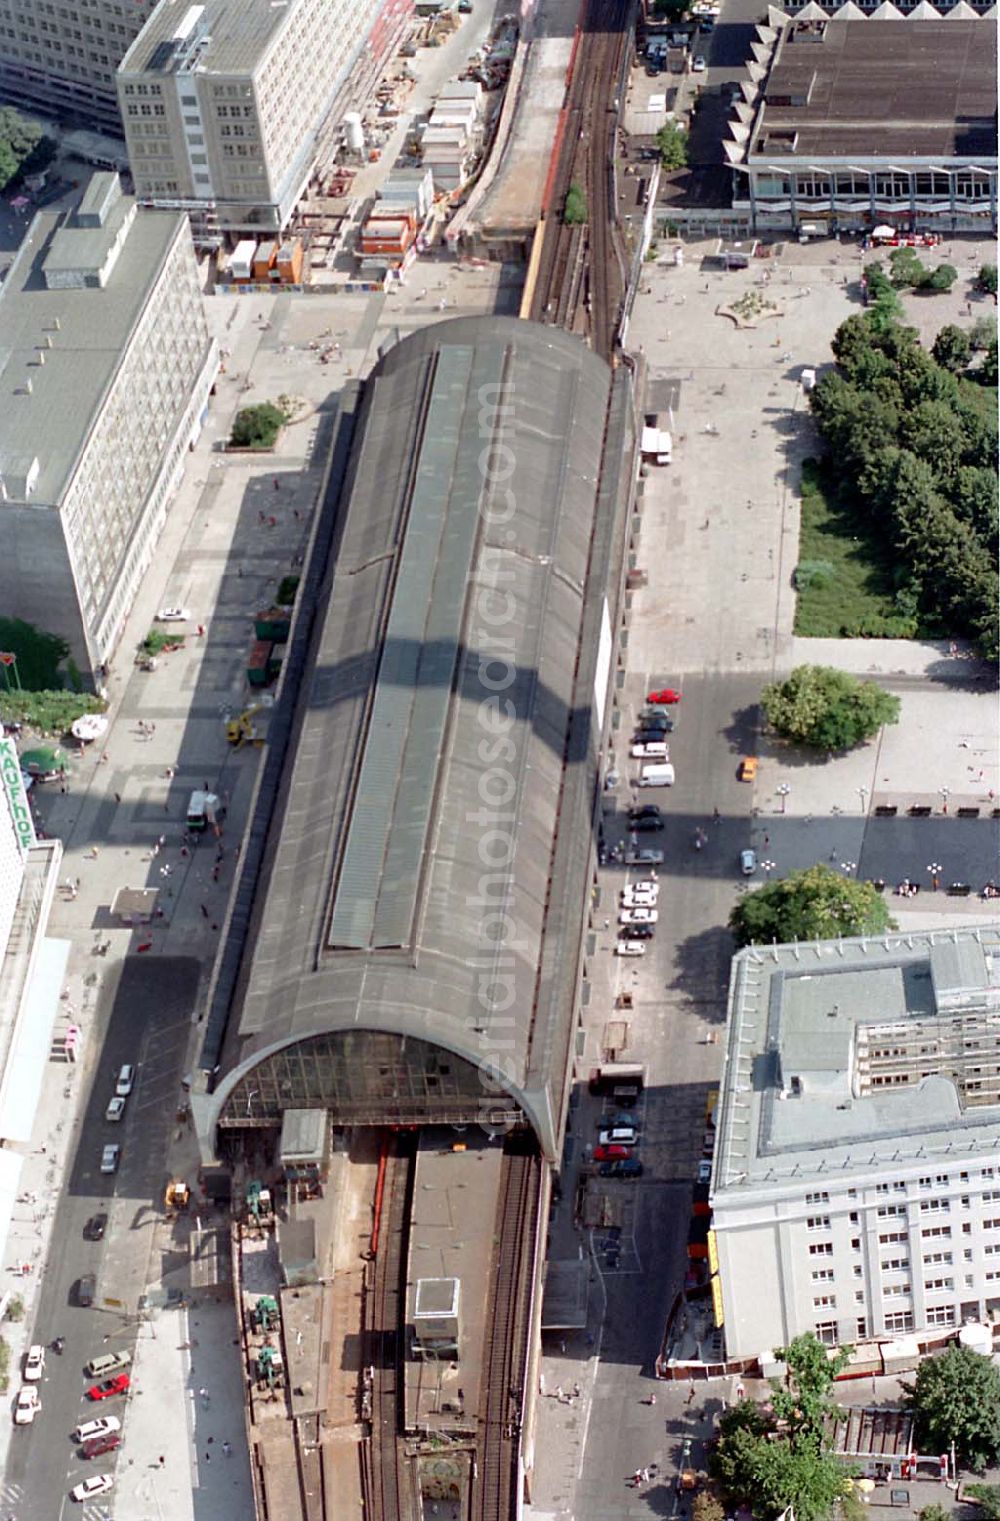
(883, 89)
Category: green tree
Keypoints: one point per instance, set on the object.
(956, 1399)
(575, 210)
(975, 499)
(905, 268)
(24, 148)
(940, 279)
(933, 432)
(934, 1513)
(257, 427)
(987, 279)
(952, 348)
(672, 142)
(815, 904)
(982, 333)
(781, 1456)
(804, 1403)
(987, 1497)
(987, 371)
(827, 709)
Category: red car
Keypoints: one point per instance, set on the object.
(117, 1385)
(612, 1153)
(664, 695)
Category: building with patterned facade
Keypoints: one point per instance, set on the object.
(229, 105)
(61, 60)
(105, 368)
(857, 1161)
(847, 123)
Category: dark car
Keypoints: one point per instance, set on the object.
(637, 932)
(97, 1446)
(646, 824)
(85, 1288)
(655, 718)
(95, 1228)
(628, 1167)
(647, 811)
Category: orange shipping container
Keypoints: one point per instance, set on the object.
(263, 259)
(289, 263)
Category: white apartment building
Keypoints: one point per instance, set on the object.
(61, 59)
(856, 1180)
(227, 104)
(105, 369)
(32, 971)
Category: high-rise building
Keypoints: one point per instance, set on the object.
(105, 368)
(61, 60)
(857, 1165)
(227, 105)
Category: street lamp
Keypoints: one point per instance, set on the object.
(863, 795)
(767, 867)
(849, 866)
(783, 789)
(934, 868)
(945, 794)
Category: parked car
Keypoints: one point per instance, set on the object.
(98, 1446)
(644, 915)
(110, 1157)
(698, 65)
(637, 932)
(647, 811)
(110, 1387)
(650, 749)
(126, 1080)
(705, 1171)
(108, 1363)
(99, 1484)
(627, 1167)
(748, 768)
(665, 695)
(655, 718)
(748, 862)
(115, 1110)
(638, 900)
(85, 1288)
(87, 1431)
(173, 615)
(618, 1135)
(624, 1118)
(630, 948)
(644, 856)
(27, 1407)
(650, 736)
(34, 1364)
(95, 1228)
(649, 824)
(611, 1153)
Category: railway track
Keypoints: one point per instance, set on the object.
(580, 273)
(385, 1481)
(496, 1492)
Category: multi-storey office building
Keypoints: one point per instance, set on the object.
(847, 124)
(61, 59)
(227, 104)
(857, 1167)
(105, 368)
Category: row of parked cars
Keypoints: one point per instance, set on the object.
(96, 1437)
(617, 1142)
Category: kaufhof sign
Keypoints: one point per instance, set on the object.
(13, 785)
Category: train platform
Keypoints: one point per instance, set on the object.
(452, 1225)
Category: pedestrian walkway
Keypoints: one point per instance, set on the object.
(184, 1456)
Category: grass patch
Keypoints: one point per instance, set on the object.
(982, 399)
(47, 712)
(158, 639)
(853, 593)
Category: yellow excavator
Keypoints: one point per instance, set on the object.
(250, 726)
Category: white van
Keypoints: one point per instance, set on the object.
(657, 776)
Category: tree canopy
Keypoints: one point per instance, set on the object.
(903, 429)
(672, 142)
(770, 1457)
(814, 904)
(956, 1398)
(24, 148)
(257, 427)
(575, 210)
(827, 709)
